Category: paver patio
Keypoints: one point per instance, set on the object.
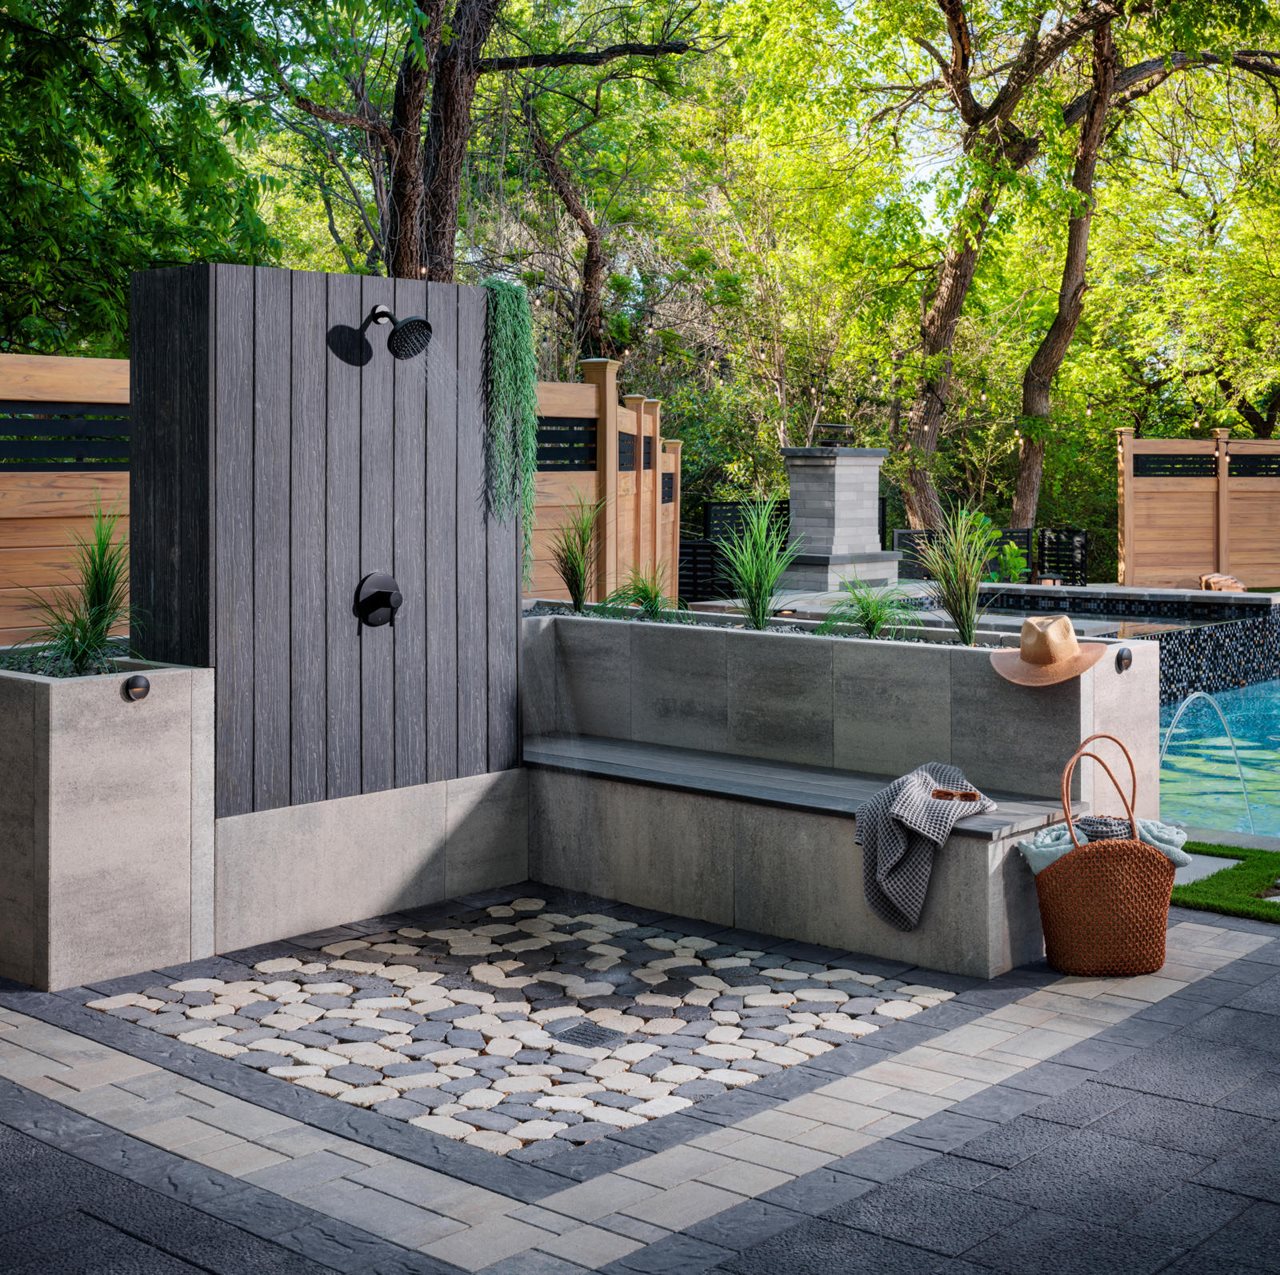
(1121, 1125)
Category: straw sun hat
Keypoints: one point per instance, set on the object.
(1048, 653)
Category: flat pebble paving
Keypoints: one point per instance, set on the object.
(457, 1029)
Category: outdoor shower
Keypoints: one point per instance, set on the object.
(408, 337)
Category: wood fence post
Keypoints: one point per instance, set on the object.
(603, 374)
(672, 446)
(1224, 501)
(634, 403)
(1124, 461)
(653, 418)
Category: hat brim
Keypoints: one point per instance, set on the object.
(1013, 668)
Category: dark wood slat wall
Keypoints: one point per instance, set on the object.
(473, 598)
(343, 544)
(442, 517)
(308, 681)
(502, 588)
(272, 470)
(409, 530)
(377, 500)
(272, 587)
(231, 528)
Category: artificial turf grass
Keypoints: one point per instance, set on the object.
(1233, 892)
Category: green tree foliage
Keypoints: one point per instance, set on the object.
(117, 152)
(759, 227)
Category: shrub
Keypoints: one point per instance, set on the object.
(755, 556)
(956, 561)
(574, 549)
(76, 639)
(876, 612)
(1010, 565)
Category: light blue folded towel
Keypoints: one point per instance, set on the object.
(1050, 844)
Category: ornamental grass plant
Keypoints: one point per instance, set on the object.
(644, 590)
(77, 638)
(755, 556)
(575, 549)
(955, 559)
(876, 612)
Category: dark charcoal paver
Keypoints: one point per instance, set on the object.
(1251, 1239)
(819, 1247)
(928, 1214)
(1246, 1028)
(1183, 1126)
(1083, 1105)
(818, 1191)
(1191, 1068)
(1045, 1241)
(945, 1131)
(1186, 1215)
(744, 1225)
(1011, 1143)
(883, 1161)
(674, 1255)
(61, 1214)
(1092, 1176)
(1253, 1171)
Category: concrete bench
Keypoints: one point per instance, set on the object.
(769, 846)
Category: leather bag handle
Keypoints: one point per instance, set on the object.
(1069, 771)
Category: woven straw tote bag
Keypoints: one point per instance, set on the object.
(1104, 906)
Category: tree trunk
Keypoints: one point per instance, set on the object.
(589, 320)
(453, 89)
(404, 202)
(937, 335)
(1037, 383)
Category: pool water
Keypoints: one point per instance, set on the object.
(1199, 784)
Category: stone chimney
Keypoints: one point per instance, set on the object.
(835, 515)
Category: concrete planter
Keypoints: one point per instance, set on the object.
(875, 707)
(106, 825)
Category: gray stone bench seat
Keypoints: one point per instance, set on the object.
(812, 788)
(771, 847)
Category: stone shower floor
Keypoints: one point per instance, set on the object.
(533, 1025)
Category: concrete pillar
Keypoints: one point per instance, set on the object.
(835, 517)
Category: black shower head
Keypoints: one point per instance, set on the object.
(408, 337)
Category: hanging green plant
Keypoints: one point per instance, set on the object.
(511, 376)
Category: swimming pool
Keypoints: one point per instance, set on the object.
(1199, 785)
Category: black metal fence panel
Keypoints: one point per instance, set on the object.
(626, 452)
(566, 443)
(701, 570)
(1175, 465)
(75, 436)
(1062, 553)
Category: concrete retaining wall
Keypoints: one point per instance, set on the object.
(761, 868)
(301, 868)
(881, 708)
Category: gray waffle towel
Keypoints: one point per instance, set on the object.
(899, 829)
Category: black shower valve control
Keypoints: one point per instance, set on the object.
(378, 598)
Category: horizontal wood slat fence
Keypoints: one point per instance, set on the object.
(1195, 506)
(586, 445)
(54, 471)
(592, 447)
